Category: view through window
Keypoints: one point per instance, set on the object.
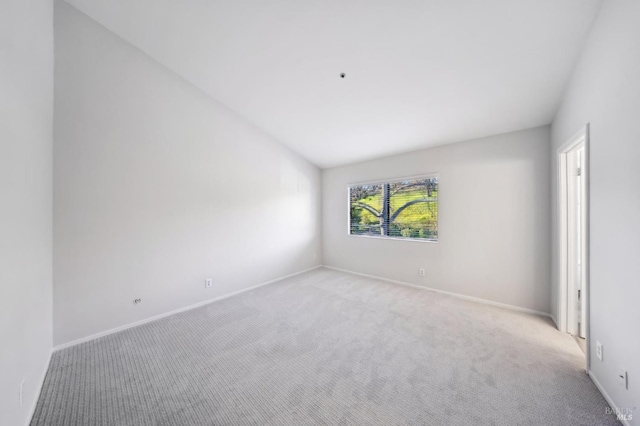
(405, 208)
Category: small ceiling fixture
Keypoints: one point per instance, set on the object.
(342, 75)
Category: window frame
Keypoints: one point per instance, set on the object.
(387, 181)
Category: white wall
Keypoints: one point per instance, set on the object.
(158, 187)
(26, 114)
(494, 220)
(605, 92)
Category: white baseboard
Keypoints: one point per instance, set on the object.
(448, 293)
(34, 404)
(555, 322)
(176, 311)
(606, 397)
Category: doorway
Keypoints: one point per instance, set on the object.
(574, 216)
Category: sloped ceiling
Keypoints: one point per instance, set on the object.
(418, 73)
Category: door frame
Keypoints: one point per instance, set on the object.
(564, 310)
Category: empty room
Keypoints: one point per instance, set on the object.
(319, 212)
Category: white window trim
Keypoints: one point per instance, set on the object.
(393, 180)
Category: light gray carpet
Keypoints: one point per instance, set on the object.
(327, 348)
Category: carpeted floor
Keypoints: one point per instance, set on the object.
(327, 348)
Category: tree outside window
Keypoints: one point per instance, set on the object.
(401, 209)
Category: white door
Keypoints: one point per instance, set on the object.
(576, 240)
(580, 242)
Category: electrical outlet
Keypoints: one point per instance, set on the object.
(623, 379)
(208, 282)
(422, 272)
(20, 391)
(599, 350)
(315, 256)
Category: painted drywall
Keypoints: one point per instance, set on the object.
(604, 91)
(158, 187)
(415, 70)
(26, 115)
(494, 220)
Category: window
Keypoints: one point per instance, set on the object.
(404, 208)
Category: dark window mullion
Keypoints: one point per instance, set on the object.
(386, 208)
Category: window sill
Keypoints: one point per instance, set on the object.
(415, 240)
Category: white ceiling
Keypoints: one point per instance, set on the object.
(418, 73)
